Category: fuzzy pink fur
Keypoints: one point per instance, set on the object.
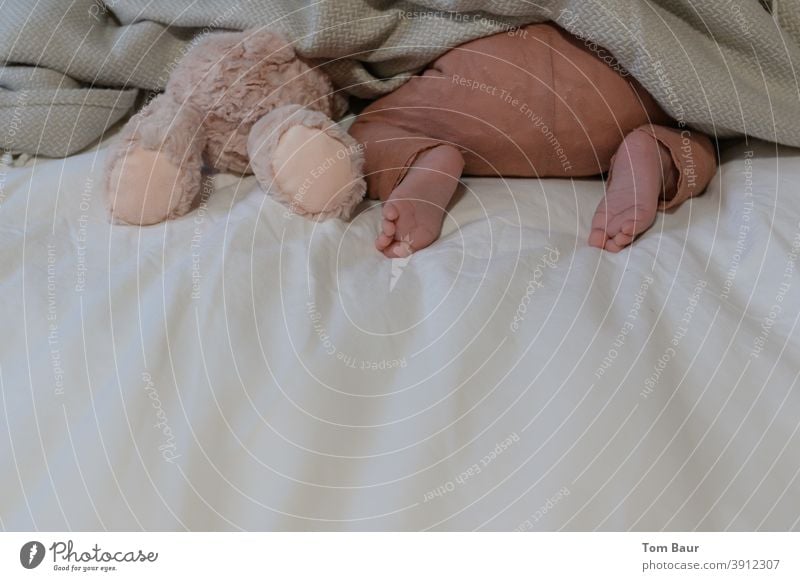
(171, 129)
(267, 133)
(224, 85)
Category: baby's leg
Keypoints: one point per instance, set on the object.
(651, 170)
(415, 176)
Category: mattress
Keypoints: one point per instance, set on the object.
(244, 369)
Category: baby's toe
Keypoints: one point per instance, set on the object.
(382, 242)
(622, 240)
(629, 228)
(612, 246)
(597, 238)
(388, 227)
(390, 212)
(599, 220)
(398, 249)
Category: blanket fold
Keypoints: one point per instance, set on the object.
(73, 69)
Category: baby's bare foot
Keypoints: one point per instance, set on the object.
(409, 225)
(642, 170)
(414, 212)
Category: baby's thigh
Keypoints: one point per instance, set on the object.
(479, 106)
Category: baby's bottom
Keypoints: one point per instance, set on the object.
(644, 178)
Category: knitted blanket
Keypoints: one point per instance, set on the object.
(74, 68)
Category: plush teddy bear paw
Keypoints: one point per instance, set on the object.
(154, 168)
(145, 186)
(307, 162)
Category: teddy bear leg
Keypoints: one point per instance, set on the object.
(307, 162)
(154, 169)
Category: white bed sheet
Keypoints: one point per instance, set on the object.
(238, 369)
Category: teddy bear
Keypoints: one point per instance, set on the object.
(240, 102)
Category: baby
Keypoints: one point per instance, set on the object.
(534, 102)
